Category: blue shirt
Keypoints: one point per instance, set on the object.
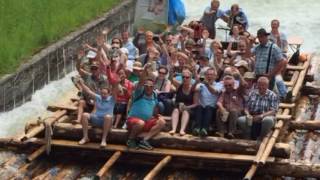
(104, 106)
(143, 107)
(262, 53)
(206, 98)
(133, 51)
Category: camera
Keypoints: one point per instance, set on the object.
(156, 39)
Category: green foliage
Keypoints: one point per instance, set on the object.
(28, 25)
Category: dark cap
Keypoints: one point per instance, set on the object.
(262, 32)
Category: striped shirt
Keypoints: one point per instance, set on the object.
(262, 53)
(258, 104)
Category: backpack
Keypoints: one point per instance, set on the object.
(154, 95)
(295, 58)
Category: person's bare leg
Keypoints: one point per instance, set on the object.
(184, 122)
(174, 120)
(155, 129)
(136, 129)
(117, 121)
(82, 105)
(84, 123)
(106, 128)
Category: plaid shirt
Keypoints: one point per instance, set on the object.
(257, 104)
(262, 53)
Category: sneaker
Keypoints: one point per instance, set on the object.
(230, 136)
(219, 134)
(144, 144)
(196, 131)
(203, 132)
(132, 143)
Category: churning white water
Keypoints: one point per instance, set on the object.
(298, 18)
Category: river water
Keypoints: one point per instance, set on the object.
(297, 19)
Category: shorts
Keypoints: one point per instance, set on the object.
(120, 108)
(147, 126)
(97, 121)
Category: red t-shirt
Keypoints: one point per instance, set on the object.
(124, 96)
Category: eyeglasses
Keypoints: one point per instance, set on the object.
(148, 86)
(115, 42)
(228, 85)
(186, 77)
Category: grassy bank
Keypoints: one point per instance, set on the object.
(28, 25)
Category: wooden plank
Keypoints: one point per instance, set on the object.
(36, 154)
(102, 172)
(300, 80)
(295, 68)
(287, 105)
(284, 117)
(165, 140)
(62, 107)
(293, 80)
(153, 173)
(160, 151)
(306, 125)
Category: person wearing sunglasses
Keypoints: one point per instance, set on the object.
(143, 121)
(230, 106)
(94, 80)
(186, 100)
(163, 88)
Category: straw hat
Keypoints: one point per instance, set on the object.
(242, 63)
(249, 75)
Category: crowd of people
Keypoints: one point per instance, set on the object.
(230, 89)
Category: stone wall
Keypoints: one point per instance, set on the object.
(58, 59)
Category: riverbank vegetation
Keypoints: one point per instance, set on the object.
(26, 26)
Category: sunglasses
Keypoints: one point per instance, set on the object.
(162, 72)
(94, 69)
(228, 85)
(148, 85)
(186, 77)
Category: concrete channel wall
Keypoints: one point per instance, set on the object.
(55, 61)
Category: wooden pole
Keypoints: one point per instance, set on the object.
(271, 142)
(300, 80)
(36, 130)
(153, 173)
(251, 172)
(165, 140)
(37, 153)
(306, 125)
(262, 147)
(102, 172)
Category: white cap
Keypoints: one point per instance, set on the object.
(91, 54)
(124, 51)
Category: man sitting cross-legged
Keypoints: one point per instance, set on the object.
(141, 122)
(102, 114)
